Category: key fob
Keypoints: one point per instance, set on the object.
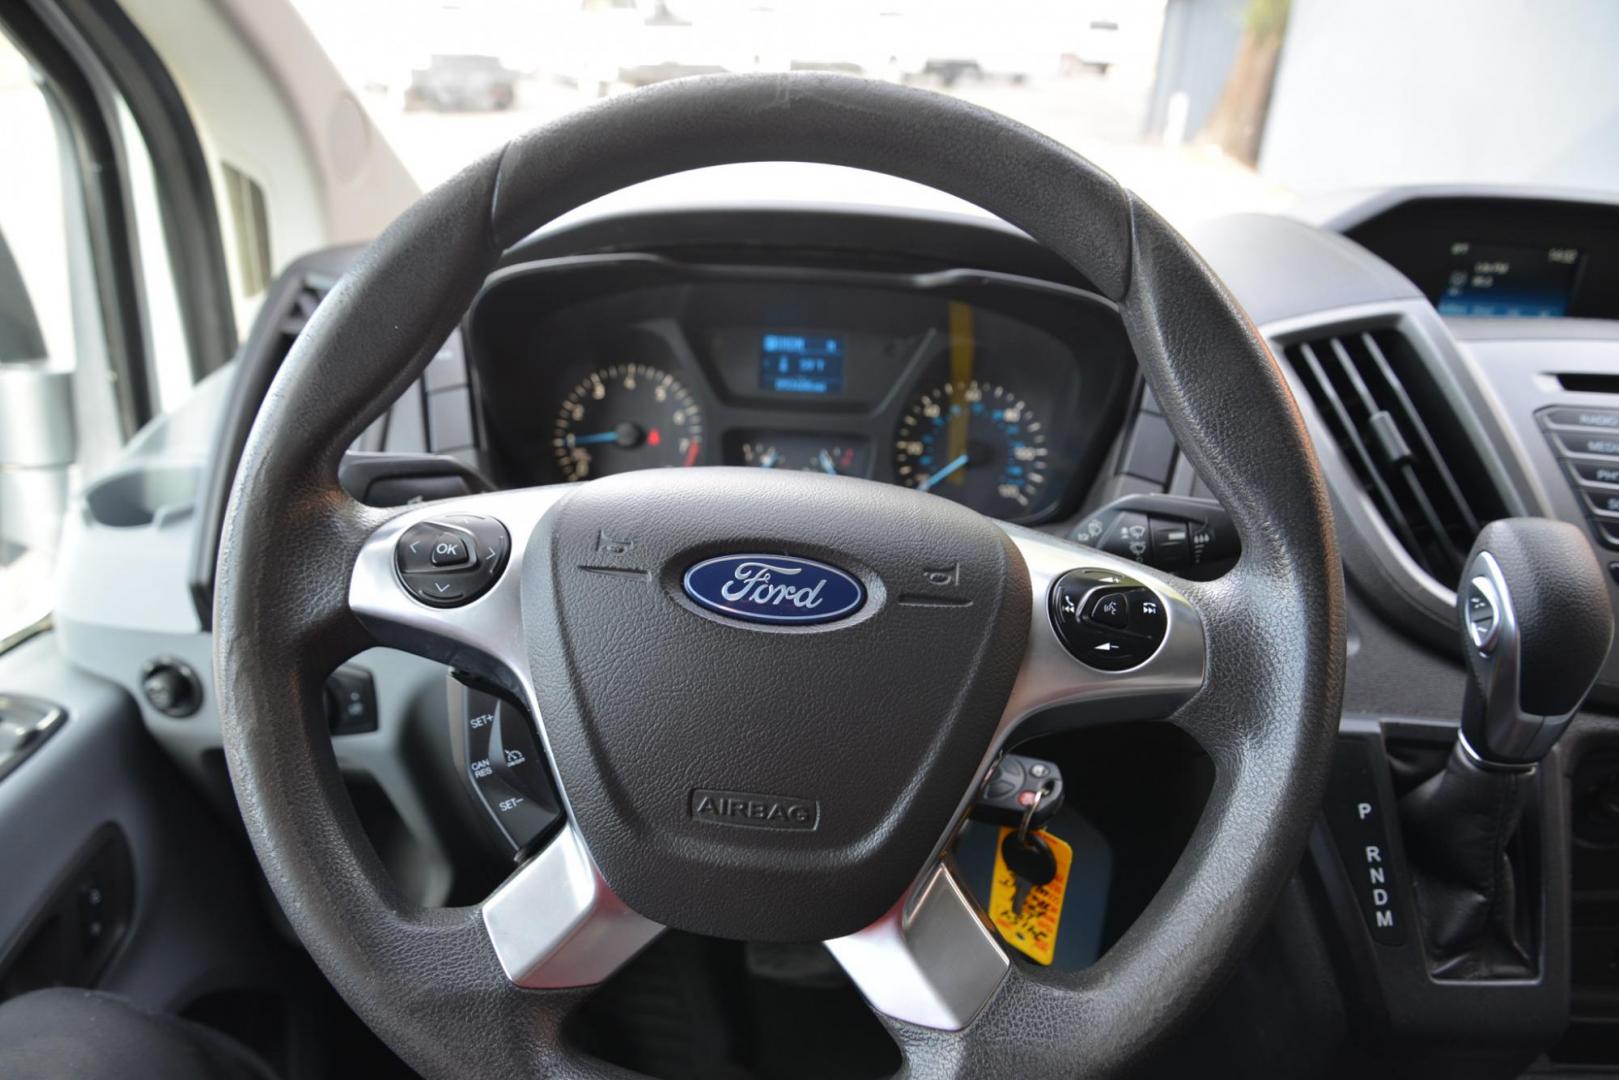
(1011, 787)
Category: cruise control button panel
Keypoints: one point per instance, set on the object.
(496, 745)
(1107, 620)
(452, 560)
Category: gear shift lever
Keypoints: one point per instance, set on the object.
(1536, 628)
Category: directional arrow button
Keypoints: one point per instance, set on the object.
(1110, 653)
(441, 590)
(415, 551)
(451, 561)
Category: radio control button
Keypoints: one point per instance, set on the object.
(1569, 417)
(1597, 443)
(1596, 472)
(1106, 620)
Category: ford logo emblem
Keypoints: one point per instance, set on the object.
(774, 589)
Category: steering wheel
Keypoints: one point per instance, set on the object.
(872, 729)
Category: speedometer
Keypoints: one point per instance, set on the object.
(624, 417)
(976, 443)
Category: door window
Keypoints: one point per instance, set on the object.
(60, 417)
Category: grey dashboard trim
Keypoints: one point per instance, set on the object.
(1282, 268)
(926, 236)
(767, 271)
(1467, 328)
(1343, 211)
(796, 187)
(16, 637)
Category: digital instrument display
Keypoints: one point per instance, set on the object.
(801, 364)
(1512, 282)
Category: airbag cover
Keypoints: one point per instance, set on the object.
(770, 781)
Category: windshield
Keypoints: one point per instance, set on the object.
(1203, 106)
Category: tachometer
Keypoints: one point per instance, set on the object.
(976, 443)
(624, 417)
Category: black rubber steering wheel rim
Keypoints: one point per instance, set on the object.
(428, 981)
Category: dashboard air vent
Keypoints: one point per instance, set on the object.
(298, 312)
(1401, 436)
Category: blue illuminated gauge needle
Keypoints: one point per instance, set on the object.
(927, 485)
(599, 437)
(826, 464)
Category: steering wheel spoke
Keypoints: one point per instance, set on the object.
(931, 960)
(556, 924)
(1081, 681)
(478, 627)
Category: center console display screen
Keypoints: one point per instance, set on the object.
(1514, 282)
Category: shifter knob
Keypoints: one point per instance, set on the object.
(1536, 627)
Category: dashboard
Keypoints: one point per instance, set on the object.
(891, 345)
(1501, 257)
(996, 391)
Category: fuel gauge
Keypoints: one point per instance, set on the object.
(806, 453)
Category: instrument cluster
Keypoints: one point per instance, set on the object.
(996, 392)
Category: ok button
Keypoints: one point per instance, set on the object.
(450, 551)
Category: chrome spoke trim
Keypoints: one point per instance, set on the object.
(555, 922)
(931, 961)
(934, 960)
(485, 636)
(1050, 675)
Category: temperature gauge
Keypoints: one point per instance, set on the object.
(806, 453)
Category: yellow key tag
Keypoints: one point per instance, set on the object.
(1033, 931)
